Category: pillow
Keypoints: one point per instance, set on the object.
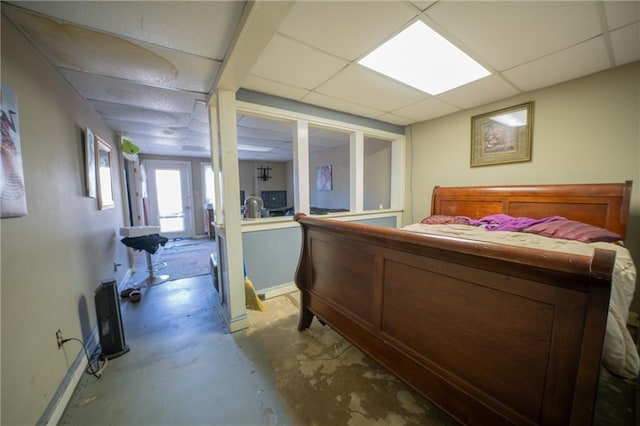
(574, 230)
(442, 219)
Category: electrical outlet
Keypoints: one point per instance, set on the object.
(59, 338)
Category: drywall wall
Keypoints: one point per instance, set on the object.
(54, 258)
(377, 174)
(584, 131)
(338, 196)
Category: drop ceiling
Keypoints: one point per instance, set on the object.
(149, 68)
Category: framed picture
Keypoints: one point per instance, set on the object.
(502, 136)
(90, 163)
(13, 195)
(105, 185)
(323, 178)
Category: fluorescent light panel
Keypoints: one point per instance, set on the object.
(422, 58)
(253, 148)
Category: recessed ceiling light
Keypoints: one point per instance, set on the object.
(242, 147)
(422, 58)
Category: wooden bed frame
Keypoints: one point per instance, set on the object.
(491, 334)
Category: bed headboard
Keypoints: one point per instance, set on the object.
(605, 205)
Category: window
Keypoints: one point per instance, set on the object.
(330, 166)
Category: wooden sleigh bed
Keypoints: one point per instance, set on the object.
(490, 333)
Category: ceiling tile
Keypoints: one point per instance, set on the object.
(347, 29)
(146, 139)
(275, 88)
(586, 58)
(621, 13)
(200, 111)
(194, 73)
(80, 49)
(203, 28)
(126, 127)
(479, 92)
(357, 84)
(396, 119)
(196, 137)
(626, 44)
(288, 61)
(199, 126)
(423, 5)
(506, 34)
(112, 90)
(335, 104)
(141, 115)
(426, 110)
(248, 125)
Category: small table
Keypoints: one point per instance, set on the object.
(145, 238)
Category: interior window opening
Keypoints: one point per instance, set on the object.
(265, 155)
(329, 170)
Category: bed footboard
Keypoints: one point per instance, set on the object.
(490, 334)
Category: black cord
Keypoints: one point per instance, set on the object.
(89, 366)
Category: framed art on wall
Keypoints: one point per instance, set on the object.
(502, 136)
(105, 184)
(13, 196)
(323, 178)
(90, 162)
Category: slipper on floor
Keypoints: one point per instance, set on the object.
(127, 291)
(135, 296)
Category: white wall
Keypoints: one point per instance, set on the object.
(585, 131)
(338, 197)
(377, 174)
(54, 258)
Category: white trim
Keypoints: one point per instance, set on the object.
(278, 290)
(266, 111)
(57, 405)
(356, 171)
(233, 324)
(301, 166)
(280, 222)
(231, 265)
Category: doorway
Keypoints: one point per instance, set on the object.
(170, 198)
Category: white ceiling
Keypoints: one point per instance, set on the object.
(149, 68)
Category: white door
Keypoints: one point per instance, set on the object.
(170, 199)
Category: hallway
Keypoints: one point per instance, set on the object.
(179, 370)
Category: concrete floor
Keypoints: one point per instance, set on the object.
(184, 368)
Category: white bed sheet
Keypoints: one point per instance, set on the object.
(620, 354)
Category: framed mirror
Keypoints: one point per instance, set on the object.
(105, 185)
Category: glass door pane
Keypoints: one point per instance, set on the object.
(170, 206)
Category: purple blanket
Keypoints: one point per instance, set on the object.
(504, 222)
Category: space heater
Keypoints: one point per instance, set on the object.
(109, 320)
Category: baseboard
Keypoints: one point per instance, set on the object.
(53, 413)
(233, 324)
(278, 290)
